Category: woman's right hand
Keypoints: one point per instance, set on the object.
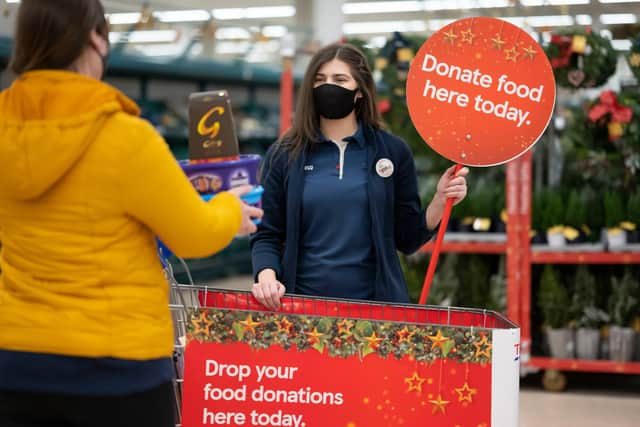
(248, 212)
(269, 290)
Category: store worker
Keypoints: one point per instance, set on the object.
(86, 335)
(341, 194)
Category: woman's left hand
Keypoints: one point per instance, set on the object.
(453, 186)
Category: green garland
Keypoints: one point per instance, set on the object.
(581, 58)
(340, 337)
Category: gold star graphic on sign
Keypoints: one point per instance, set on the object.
(415, 382)
(529, 52)
(437, 340)
(467, 36)
(450, 37)
(512, 54)
(373, 341)
(404, 335)
(634, 60)
(313, 336)
(487, 347)
(249, 325)
(498, 42)
(284, 325)
(344, 327)
(439, 404)
(201, 323)
(465, 393)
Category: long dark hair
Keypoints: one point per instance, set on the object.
(307, 121)
(51, 34)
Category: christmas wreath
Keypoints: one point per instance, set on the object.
(581, 58)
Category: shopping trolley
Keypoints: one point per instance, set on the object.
(363, 363)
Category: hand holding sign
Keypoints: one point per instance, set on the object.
(480, 92)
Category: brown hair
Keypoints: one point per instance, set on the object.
(51, 34)
(306, 123)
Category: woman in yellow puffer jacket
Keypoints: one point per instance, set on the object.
(85, 186)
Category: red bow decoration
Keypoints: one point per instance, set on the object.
(609, 104)
(564, 42)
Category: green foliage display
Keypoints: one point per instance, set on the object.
(553, 299)
(624, 304)
(614, 210)
(583, 300)
(553, 211)
(575, 214)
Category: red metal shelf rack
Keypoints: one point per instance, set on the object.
(576, 365)
(468, 247)
(520, 257)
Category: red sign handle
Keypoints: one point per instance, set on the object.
(436, 248)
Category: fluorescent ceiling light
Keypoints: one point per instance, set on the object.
(233, 33)
(618, 18)
(274, 31)
(436, 24)
(377, 42)
(552, 2)
(381, 7)
(13, 1)
(619, 1)
(584, 20)
(433, 5)
(152, 36)
(540, 21)
(383, 27)
(183, 15)
(123, 18)
(254, 12)
(227, 48)
(621, 44)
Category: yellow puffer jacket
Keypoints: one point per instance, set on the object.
(85, 185)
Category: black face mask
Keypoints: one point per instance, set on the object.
(334, 102)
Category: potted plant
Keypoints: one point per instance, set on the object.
(499, 220)
(553, 301)
(553, 219)
(537, 233)
(623, 308)
(595, 219)
(614, 215)
(633, 219)
(575, 229)
(483, 209)
(589, 318)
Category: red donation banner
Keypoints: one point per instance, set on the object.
(321, 363)
(480, 91)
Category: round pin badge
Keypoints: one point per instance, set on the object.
(384, 167)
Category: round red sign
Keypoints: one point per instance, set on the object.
(480, 91)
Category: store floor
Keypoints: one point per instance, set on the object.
(591, 400)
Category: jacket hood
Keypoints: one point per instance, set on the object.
(47, 121)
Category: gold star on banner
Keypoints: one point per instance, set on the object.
(284, 325)
(634, 60)
(437, 340)
(201, 323)
(344, 327)
(465, 393)
(313, 336)
(467, 36)
(404, 335)
(373, 341)
(498, 42)
(483, 343)
(512, 54)
(249, 325)
(439, 405)
(529, 52)
(414, 382)
(450, 37)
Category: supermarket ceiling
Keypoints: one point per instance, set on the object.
(237, 20)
